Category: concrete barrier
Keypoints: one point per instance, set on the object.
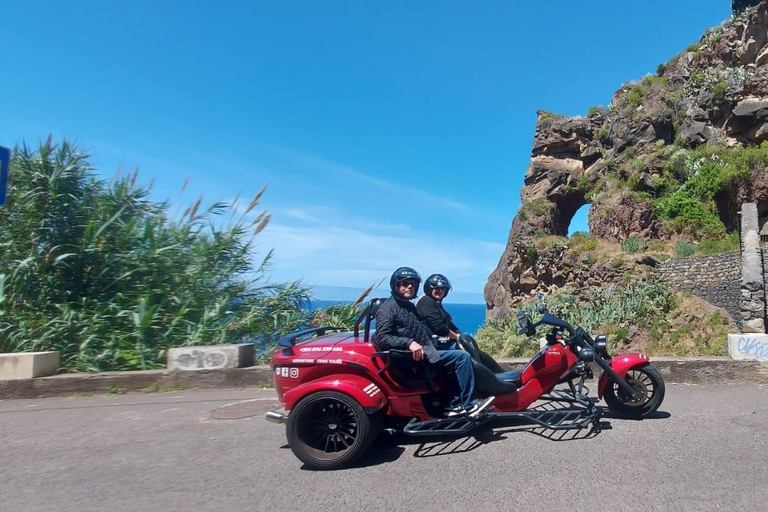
(213, 357)
(706, 370)
(27, 365)
(748, 346)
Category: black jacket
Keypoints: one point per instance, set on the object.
(398, 324)
(434, 315)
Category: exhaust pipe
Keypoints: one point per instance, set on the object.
(277, 417)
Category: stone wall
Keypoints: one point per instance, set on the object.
(715, 279)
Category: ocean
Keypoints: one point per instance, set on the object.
(468, 317)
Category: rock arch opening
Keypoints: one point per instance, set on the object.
(580, 220)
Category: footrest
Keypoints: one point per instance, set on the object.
(444, 426)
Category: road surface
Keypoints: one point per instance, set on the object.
(168, 451)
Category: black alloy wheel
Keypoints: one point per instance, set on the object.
(649, 386)
(330, 430)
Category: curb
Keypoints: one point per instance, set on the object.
(705, 370)
(68, 384)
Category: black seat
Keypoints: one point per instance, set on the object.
(487, 367)
(488, 383)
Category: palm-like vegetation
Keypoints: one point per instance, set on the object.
(101, 273)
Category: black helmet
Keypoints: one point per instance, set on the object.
(400, 275)
(436, 281)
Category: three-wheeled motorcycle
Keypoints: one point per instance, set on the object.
(339, 390)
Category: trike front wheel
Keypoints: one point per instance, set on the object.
(649, 387)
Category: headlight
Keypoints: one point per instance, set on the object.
(601, 345)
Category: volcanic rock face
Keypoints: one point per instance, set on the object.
(715, 93)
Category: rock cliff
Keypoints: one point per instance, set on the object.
(671, 158)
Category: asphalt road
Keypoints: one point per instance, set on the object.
(167, 452)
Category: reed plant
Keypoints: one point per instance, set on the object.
(103, 274)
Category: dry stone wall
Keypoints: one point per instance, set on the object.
(715, 279)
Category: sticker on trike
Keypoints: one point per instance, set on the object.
(287, 372)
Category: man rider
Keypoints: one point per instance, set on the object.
(398, 326)
(431, 310)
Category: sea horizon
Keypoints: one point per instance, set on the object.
(468, 317)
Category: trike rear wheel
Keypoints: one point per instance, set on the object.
(649, 385)
(330, 430)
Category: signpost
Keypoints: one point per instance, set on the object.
(5, 157)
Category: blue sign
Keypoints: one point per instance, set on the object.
(5, 157)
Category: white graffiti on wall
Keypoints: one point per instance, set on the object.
(751, 346)
(202, 360)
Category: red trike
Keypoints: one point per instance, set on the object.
(339, 390)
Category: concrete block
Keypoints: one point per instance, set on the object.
(753, 346)
(26, 365)
(211, 357)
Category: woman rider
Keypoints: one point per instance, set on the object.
(434, 315)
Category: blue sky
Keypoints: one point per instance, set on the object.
(390, 133)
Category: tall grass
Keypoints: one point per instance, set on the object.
(103, 274)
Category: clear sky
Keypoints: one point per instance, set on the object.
(390, 133)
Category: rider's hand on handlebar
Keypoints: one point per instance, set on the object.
(418, 352)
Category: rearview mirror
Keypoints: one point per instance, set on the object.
(524, 321)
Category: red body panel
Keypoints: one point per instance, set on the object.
(365, 392)
(538, 377)
(621, 365)
(342, 362)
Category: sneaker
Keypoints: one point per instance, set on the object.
(455, 410)
(480, 407)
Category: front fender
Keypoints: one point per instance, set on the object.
(362, 390)
(621, 365)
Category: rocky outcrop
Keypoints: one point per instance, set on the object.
(741, 5)
(530, 269)
(616, 159)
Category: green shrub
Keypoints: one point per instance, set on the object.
(584, 241)
(636, 304)
(536, 209)
(106, 277)
(729, 242)
(557, 244)
(633, 245)
(500, 339)
(637, 95)
(690, 215)
(719, 90)
(531, 252)
(684, 249)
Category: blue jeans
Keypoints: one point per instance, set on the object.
(460, 363)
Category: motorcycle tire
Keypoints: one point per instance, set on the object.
(330, 430)
(645, 379)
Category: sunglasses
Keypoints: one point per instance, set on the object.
(407, 284)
